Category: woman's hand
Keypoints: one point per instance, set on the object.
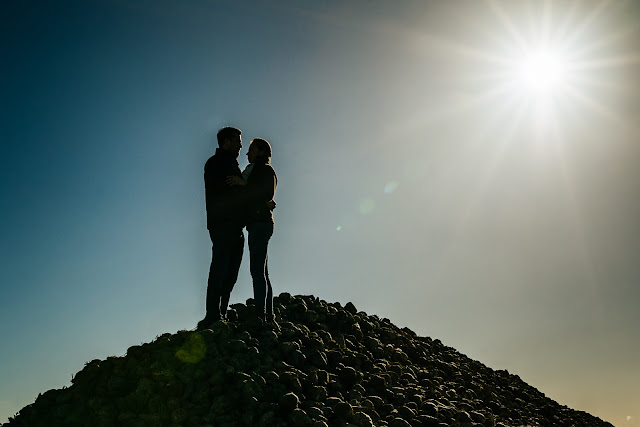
(236, 180)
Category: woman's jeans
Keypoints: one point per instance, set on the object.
(259, 235)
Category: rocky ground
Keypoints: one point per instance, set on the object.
(325, 365)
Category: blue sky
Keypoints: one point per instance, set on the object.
(420, 177)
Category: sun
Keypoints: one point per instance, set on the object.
(542, 71)
(543, 66)
(541, 56)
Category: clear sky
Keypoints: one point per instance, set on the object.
(467, 169)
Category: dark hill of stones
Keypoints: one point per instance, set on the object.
(325, 365)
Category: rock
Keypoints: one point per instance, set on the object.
(318, 393)
(406, 413)
(399, 422)
(350, 308)
(361, 419)
(343, 410)
(268, 419)
(299, 418)
(349, 376)
(288, 403)
(318, 359)
(325, 365)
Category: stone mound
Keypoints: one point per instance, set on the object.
(324, 365)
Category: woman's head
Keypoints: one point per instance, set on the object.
(259, 150)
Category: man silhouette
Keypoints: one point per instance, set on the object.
(225, 220)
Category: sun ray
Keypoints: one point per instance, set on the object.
(563, 28)
(608, 40)
(582, 245)
(587, 22)
(472, 101)
(596, 106)
(615, 61)
(507, 22)
(517, 113)
(490, 174)
(457, 48)
(575, 211)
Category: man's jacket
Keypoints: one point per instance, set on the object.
(223, 204)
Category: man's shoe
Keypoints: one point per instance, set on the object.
(204, 324)
(208, 321)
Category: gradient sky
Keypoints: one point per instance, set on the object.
(419, 177)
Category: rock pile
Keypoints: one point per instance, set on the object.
(324, 365)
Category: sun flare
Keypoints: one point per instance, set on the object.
(542, 70)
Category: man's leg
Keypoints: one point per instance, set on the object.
(235, 249)
(213, 293)
(217, 295)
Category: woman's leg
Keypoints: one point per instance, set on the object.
(259, 235)
(269, 302)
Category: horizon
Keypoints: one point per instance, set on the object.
(467, 170)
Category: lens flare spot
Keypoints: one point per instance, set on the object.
(339, 228)
(367, 206)
(390, 187)
(193, 350)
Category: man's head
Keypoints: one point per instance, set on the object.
(230, 140)
(259, 149)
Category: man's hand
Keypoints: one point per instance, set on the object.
(236, 180)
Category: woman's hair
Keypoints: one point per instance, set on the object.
(264, 146)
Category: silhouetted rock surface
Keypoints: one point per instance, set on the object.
(324, 366)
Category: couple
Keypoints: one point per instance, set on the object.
(236, 199)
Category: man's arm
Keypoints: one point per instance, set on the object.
(258, 192)
(239, 182)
